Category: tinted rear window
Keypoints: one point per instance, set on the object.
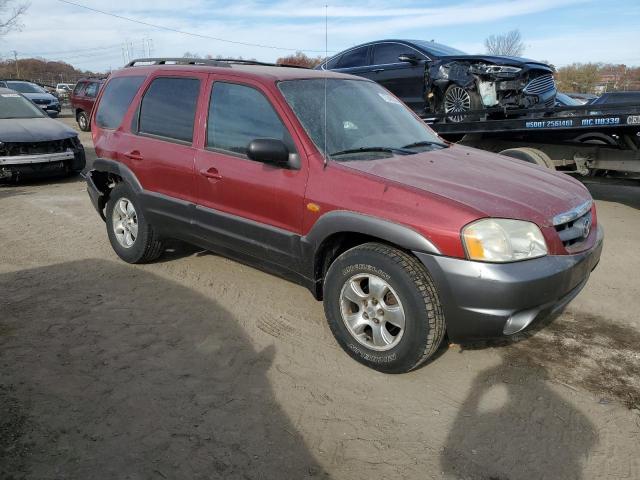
(116, 99)
(168, 108)
(354, 58)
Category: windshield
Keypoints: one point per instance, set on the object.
(25, 87)
(438, 49)
(361, 116)
(13, 105)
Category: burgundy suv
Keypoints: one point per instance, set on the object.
(330, 181)
(82, 100)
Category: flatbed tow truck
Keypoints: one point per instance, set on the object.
(588, 139)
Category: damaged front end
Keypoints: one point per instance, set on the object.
(495, 88)
(21, 160)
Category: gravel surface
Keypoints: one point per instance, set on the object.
(199, 367)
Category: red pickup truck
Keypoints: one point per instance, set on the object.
(330, 181)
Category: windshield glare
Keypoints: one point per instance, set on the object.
(360, 115)
(13, 105)
(25, 87)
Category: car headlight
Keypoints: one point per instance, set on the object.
(503, 240)
(497, 69)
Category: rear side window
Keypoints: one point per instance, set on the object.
(354, 58)
(79, 88)
(168, 108)
(239, 114)
(92, 90)
(116, 99)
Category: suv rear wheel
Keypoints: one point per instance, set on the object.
(83, 121)
(383, 308)
(131, 236)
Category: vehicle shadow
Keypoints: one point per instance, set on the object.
(513, 426)
(110, 371)
(626, 192)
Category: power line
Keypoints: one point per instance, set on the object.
(183, 32)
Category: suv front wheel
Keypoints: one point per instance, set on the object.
(383, 308)
(131, 236)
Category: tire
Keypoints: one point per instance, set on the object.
(83, 121)
(531, 155)
(144, 245)
(409, 290)
(459, 99)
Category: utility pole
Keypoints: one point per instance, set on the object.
(15, 56)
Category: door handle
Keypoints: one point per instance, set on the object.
(133, 155)
(378, 70)
(211, 173)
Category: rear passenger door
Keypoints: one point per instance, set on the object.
(245, 205)
(160, 147)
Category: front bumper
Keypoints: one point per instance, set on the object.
(40, 165)
(489, 300)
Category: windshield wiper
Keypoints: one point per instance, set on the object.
(426, 143)
(400, 151)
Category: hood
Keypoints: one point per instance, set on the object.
(40, 96)
(490, 184)
(499, 60)
(33, 130)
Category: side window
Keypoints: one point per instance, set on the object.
(79, 88)
(384, 53)
(331, 64)
(239, 114)
(115, 101)
(92, 90)
(168, 108)
(354, 58)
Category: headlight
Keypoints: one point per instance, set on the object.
(503, 240)
(497, 69)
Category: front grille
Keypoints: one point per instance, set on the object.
(12, 149)
(575, 231)
(41, 101)
(540, 85)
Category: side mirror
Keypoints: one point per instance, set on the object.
(408, 58)
(270, 151)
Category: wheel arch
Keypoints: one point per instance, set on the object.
(338, 231)
(102, 177)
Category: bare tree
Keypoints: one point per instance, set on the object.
(10, 14)
(509, 44)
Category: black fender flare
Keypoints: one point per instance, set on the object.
(346, 222)
(97, 181)
(117, 168)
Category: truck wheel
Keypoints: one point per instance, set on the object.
(131, 236)
(383, 308)
(460, 100)
(531, 155)
(83, 121)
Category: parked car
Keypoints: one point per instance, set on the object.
(434, 78)
(402, 235)
(63, 90)
(82, 99)
(38, 95)
(32, 144)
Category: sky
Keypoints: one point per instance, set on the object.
(558, 31)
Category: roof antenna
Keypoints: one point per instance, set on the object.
(326, 58)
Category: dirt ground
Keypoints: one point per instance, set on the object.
(199, 367)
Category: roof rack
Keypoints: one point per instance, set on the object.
(217, 62)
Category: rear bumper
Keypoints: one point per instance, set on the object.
(485, 300)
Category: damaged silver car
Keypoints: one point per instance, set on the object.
(435, 79)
